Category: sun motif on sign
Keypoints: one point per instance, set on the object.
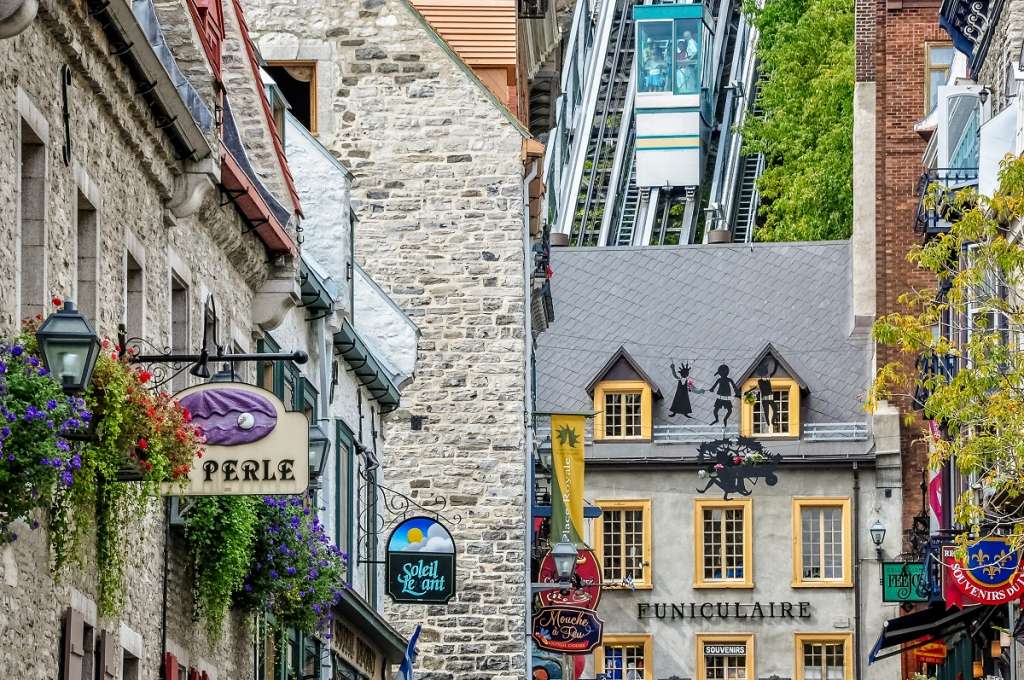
(414, 535)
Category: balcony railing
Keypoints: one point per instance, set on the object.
(696, 434)
(935, 219)
(930, 366)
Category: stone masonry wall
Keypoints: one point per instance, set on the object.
(438, 194)
(122, 164)
(1003, 52)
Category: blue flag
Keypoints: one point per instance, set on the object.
(405, 670)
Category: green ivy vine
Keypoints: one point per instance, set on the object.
(221, 532)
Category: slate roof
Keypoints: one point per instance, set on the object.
(705, 305)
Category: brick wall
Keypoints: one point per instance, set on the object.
(902, 30)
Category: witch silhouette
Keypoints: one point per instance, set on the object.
(681, 400)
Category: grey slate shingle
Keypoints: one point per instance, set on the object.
(705, 305)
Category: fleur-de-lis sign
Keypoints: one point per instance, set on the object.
(993, 568)
(567, 436)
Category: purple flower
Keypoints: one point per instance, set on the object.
(313, 573)
(273, 573)
(33, 362)
(291, 571)
(17, 350)
(44, 461)
(316, 608)
(51, 404)
(85, 415)
(248, 587)
(43, 372)
(294, 521)
(3, 367)
(76, 461)
(66, 478)
(5, 432)
(63, 446)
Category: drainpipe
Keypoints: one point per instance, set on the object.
(528, 409)
(16, 15)
(856, 572)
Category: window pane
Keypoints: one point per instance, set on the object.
(723, 543)
(631, 408)
(612, 415)
(771, 412)
(720, 667)
(936, 79)
(810, 522)
(940, 55)
(655, 44)
(612, 545)
(624, 662)
(687, 56)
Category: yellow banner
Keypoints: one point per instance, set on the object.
(567, 478)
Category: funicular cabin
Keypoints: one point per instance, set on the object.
(673, 99)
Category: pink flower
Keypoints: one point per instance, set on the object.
(719, 466)
(738, 459)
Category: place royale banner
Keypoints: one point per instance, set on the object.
(567, 433)
(420, 562)
(254, 445)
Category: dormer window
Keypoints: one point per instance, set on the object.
(770, 393)
(623, 400)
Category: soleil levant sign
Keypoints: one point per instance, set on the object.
(420, 562)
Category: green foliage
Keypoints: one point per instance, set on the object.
(981, 409)
(806, 55)
(220, 531)
(297, 574)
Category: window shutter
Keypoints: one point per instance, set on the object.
(74, 644)
(108, 657)
(170, 667)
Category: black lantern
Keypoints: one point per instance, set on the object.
(318, 446)
(69, 346)
(564, 555)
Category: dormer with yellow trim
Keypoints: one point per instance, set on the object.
(771, 393)
(623, 400)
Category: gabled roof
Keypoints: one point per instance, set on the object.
(782, 363)
(622, 355)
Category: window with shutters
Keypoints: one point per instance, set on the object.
(622, 541)
(822, 554)
(723, 542)
(825, 656)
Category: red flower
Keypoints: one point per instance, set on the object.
(105, 343)
(738, 459)
(186, 414)
(199, 453)
(56, 301)
(143, 444)
(144, 376)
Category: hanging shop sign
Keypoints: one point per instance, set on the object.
(754, 611)
(904, 582)
(568, 630)
(730, 464)
(585, 591)
(254, 445)
(420, 562)
(930, 652)
(725, 650)
(991, 574)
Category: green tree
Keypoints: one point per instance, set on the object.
(806, 58)
(980, 266)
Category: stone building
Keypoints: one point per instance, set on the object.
(148, 181)
(440, 191)
(739, 548)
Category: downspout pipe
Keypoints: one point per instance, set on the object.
(16, 15)
(856, 573)
(528, 409)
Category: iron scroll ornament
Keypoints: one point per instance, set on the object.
(730, 463)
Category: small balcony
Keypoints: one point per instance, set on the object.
(932, 218)
(931, 366)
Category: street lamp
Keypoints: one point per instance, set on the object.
(69, 346)
(564, 555)
(318, 446)
(877, 531)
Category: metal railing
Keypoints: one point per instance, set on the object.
(695, 434)
(935, 219)
(930, 366)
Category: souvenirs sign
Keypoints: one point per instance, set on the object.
(420, 562)
(585, 590)
(254, 446)
(904, 582)
(992, 574)
(569, 630)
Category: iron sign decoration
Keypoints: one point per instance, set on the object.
(420, 562)
(904, 582)
(254, 445)
(568, 630)
(993, 573)
(730, 463)
(585, 590)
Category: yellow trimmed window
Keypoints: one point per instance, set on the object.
(623, 543)
(774, 414)
(625, 657)
(824, 656)
(822, 530)
(723, 533)
(622, 410)
(725, 657)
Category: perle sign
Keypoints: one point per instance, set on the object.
(254, 445)
(420, 562)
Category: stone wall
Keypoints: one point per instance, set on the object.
(1003, 52)
(438, 194)
(121, 163)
